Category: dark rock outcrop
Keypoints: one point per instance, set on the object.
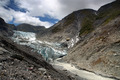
(5, 30)
(12, 26)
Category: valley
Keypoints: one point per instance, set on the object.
(84, 45)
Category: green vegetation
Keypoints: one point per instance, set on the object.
(105, 15)
(56, 29)
(87, 26)
(69, 19)
(87, 23)
(109, 13)
(112, 16)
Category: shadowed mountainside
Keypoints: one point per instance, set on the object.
(4, 29)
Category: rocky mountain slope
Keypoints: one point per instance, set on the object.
(70, 26)
(81, 23)
(19, 62)
(98, 51)
(98, 33)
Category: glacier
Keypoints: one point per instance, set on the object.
(49, 51)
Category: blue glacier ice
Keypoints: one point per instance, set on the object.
(49, 51)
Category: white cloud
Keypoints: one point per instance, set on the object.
(4, 2)
(20, 17)
(54, 8)
(58, 8)
(42, 7)
(6, 14)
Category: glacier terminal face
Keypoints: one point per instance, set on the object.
(27, 36)
(49, 51)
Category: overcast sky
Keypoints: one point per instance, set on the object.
(43, 12)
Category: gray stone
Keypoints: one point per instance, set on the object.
(1, 52)
(1, 64)
(42, 69)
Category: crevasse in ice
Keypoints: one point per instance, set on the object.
(49, 51)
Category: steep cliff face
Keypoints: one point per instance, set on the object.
(99, 50)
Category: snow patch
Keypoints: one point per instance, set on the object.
(73, 41)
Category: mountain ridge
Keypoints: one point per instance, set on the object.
(29, 28)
